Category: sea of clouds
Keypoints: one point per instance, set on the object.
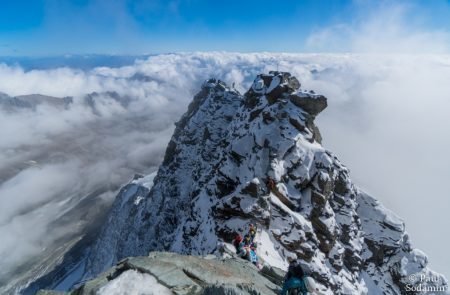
(387, 120)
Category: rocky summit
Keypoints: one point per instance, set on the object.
(257, 158)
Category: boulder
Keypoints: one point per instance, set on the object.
(193, 275)
(311, 103)
(274, 85)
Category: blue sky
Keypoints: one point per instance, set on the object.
(53, 27)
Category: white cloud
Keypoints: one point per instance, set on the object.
(382, 27)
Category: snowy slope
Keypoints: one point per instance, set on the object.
(212, 184)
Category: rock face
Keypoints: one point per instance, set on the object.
(256, 158)
(180, 274)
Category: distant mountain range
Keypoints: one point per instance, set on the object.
(83, 62)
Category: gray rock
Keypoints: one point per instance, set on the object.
(274, 86)
(193, 275)
(312, 104)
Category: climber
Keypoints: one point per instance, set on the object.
(238, 243)
(248, 241)
(246, 249)
(252, 232)
(294, 280)
(270, 183)
(250, 246)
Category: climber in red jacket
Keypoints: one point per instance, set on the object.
(270, 183)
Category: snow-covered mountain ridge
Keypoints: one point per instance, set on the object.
(212, 184)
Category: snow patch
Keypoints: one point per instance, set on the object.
(146, 181)
(138, 200)
(132, 282)
(268, 252)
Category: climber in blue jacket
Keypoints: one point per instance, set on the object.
(239, 244)
(293, 282)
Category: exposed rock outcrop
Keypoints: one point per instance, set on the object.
(187, 275)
